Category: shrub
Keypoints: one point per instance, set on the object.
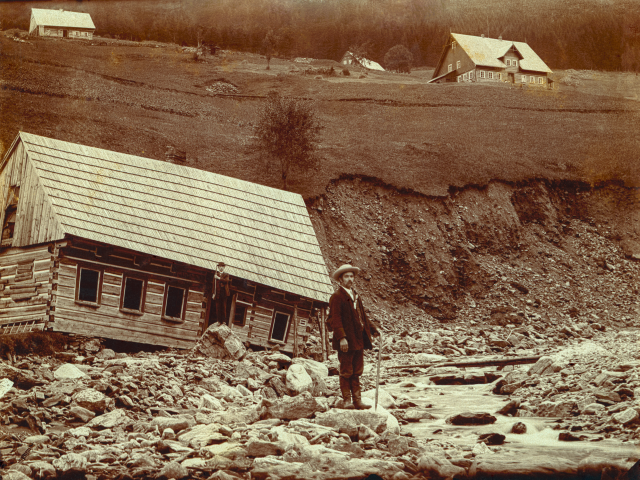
(345, 72)
(399, 59)
(39, 343)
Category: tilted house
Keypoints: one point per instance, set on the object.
(58, 23)
(467, 58)
(111, 245)
(350, 59)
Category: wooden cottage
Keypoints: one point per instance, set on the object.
(58, 23)
(106, 244)
(350, 59)
(466, 58)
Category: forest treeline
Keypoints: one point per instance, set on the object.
(580, 34)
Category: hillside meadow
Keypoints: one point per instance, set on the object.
(143, 98)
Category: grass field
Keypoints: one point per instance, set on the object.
(141, 99)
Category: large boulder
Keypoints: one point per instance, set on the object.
(202, 435)
(542, 366)
(70, 461)
(290, 408)
(210, 402)
(348, 421)
(68, 371)
(112, 419)
(298, 380)
(21, 378)
(384, 398)
(555, 409)
(91, 399)
(438, 467)
(220, 342)
(627, 417)
(5, 386)
(319, 368)
(468, 418)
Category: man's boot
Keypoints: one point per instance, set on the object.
(345, 389)
(357, 394)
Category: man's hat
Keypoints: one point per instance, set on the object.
(344, 269)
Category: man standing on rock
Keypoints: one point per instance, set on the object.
(352, 334)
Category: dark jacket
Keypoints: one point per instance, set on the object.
(344, 322)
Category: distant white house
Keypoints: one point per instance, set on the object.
(58, 23)
(350, 59)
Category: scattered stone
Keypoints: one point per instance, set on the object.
(627, 417)
(173, 470)
(568, 437)
(111, 419)
(81, 414)
(259, 448)
(384, 398)
(68, 371)
(437, 467)
(593, 409)
(174, 423)
(291, 408)
(5, 386)
(468, 418)
(70, 461)
(298, 380)
(220, 342)
(519, 428)
(492, 438)
(91, 400)
(210, 402)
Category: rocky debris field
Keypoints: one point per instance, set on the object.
(221, 412)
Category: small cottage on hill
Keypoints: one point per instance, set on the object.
(58, 23)
(467, 58)
(350, 59)
(105, 244)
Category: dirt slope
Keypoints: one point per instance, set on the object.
(499, 253)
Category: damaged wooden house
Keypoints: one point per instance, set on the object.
(105, 244)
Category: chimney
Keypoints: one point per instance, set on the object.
(482, 35)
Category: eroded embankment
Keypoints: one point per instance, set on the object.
(559, 248)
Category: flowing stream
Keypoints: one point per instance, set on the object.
(540, 438)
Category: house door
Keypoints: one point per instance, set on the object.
(65, 33)
(512, 77)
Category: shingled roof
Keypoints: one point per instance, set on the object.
(487, 52)
(59, 18)
(180, 213)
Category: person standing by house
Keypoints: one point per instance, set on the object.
(221, 293)
(352, 335)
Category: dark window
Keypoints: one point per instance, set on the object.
(88, 285)
(280, 324)
(174, 301)
(132, 294)
(239, 315)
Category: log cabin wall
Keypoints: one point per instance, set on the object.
(25, 288)
(108, 316)
(254, 314)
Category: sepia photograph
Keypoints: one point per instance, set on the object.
(320, 239)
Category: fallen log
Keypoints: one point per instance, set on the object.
(486, 362)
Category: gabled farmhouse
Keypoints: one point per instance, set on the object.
(111, 245)
(350, 59)
(466, 58)
(58, 23)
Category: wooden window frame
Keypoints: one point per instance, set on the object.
(532, 79)
(450, 68)
(481, 73)
(273, 322)
(490, 75)
(514, 63)
(232, 316)
(184, 302)
(540, 80)
(79, 268)
(470, 74)
(508, 62)
(458, 64)
(524, 79)
(142, 299)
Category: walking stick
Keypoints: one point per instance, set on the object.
(378, 374)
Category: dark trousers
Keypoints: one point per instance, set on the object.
(351, 363)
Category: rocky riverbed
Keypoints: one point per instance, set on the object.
(100, 414)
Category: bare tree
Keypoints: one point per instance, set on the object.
(286, 135)
(269, 43)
